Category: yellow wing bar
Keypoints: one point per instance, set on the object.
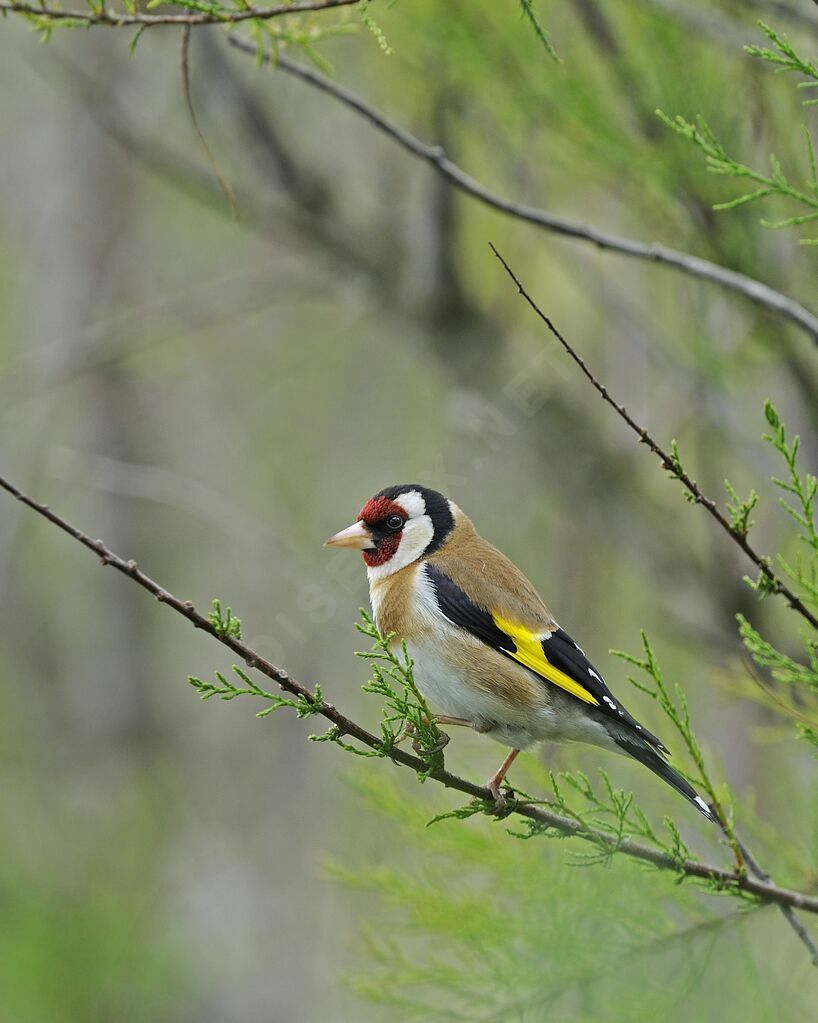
(531, 654)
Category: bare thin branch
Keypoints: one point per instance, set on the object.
(758, 871)
(761, 561)
(765, 891)
(224, 184)
(693, 266)
(117, 19)
(787, 912)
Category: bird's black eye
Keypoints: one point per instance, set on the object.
(394, 522)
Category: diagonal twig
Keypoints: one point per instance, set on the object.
(758, 871)
(761, 561)
(787, 912)
(119, 19)
(224, 184)
(694, 266)
(724, 880)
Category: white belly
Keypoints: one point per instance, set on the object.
(451, 687)
(449, 691)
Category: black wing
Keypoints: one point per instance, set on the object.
(555, 657)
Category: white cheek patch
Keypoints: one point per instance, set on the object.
(413, 503)
(416, 537)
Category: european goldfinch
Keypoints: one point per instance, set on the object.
(486, 649)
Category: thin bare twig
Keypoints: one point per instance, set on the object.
(173, 165)
(787, 912)
(120, 19)
(761, 561)
(224, 184)
(747, 858)
(694, 266)
(764, 891)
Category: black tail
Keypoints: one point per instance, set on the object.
(636, 747)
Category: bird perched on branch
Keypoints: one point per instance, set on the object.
(486, 649)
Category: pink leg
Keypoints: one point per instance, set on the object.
(440, 719)
(496, 780)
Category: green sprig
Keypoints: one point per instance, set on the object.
(224, 624)
(774, 183)
(225, 689)
(530, 15)
(370, 23)
(785, 58)
(405, 711)
(673, 703)
(718, 161)
(803, 488)
(800, 495)
(740, 521)
(676, 471)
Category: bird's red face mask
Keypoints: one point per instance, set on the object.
(376, 533)
(397, 527)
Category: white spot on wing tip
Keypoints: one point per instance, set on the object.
(705, 809)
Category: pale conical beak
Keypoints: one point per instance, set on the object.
(356, 536)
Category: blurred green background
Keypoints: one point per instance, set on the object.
(213, 398)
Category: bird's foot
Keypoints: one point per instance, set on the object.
(444, 740)
(500, 801)
(504, 800)
(501, 804)
(410, 732)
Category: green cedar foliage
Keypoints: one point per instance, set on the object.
(798, 500)
(774, 182)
